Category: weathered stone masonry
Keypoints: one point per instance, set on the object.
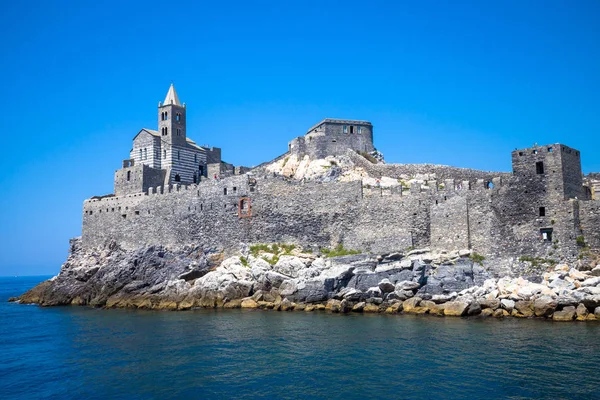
(540, 209)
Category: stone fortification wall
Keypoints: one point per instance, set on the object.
(590, 222)
(309, 214)
(501, 219)
(137, 178)
(441, 172)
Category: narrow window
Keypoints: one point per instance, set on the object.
(177, 178)
(195, 158)
(128, 175)
(359, 129)
(225, 191)
(166, 115)
(546, 234)
(345, 129)
(177, 117)
(542, 211)
(234, 190)
(145, 154)
(520, 153)
(164, 154)
(195, 177)
(178, 155)
(550, 149)
(166, 130)
(351, 128)
(539, 167)
(140, 154)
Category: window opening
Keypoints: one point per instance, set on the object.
(550, 149)
(539, 167)
(351, 128)
(345, 129)
(128, 175)
(225, 191)
(359, 129)
(542, 211)
(164, 154)
(546, 234)
(177, 178)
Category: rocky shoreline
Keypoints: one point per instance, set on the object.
(283, 278)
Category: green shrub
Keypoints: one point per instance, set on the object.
(285, 160)
(244, 261)
(580, 241)
(538, 261)
(477, 258)
(338, 251)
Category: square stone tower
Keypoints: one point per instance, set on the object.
(554, 169)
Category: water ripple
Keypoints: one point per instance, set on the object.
(76, 352)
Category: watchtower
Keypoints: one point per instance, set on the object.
(554, 168)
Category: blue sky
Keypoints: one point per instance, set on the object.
(460, 83)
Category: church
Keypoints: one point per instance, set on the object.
(166, 156)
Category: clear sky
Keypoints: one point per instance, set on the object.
(448, 82)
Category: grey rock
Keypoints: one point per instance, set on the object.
(386, 286)
(407, 285)
(507, 304)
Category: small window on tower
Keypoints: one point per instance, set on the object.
(178, 155)
(539, 167)
(178, 117)
(195, 158)
(164, 154)
(359, 129)
(166, 131)
(345, 129)
(140, 154)
(145, 154)
(128, 175)
(542, 211)
(177, 178)
(166, 115)
(351, 129)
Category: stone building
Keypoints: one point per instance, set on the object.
(167, 155)
(543, 208)
(333, 137)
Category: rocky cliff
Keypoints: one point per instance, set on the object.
(285, 278)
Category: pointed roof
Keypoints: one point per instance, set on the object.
(172, 97)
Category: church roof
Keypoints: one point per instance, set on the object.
(172, 97)
(193, 144)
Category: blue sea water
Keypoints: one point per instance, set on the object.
(86, 353)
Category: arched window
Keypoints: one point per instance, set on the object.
(140, 154)
(166, 115)
(128, 175)
(166, 130)
(177, 178)
(177, 117)
(164, 154)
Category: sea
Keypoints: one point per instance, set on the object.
(87, 353)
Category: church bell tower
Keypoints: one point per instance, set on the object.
(171, 120)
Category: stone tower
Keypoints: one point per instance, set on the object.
(552, 170)
(171, 120)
